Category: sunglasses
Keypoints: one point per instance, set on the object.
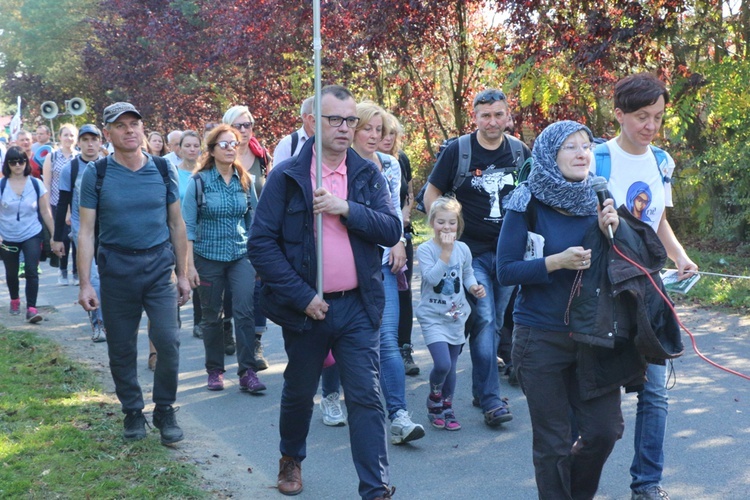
(240, 126)
(489, 96)
(227, 144)
(15, 163)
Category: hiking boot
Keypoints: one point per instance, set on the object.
(497, 416)
(32, 315)
(258, 359)
(229, 346)
(135, 426)
(166, 422)
(653, 493)
(410, 367)
(215, 380)
(62, 278)
(330, 407)
(15, 307)
(99, 333)
(197, 331)
(404, 430)
(249, 382)
(290, 476)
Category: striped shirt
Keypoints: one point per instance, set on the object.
(221, 229)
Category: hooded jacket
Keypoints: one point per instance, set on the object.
(282, 242)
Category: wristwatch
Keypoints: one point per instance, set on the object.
(403, 240)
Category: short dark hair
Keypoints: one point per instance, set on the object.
(15, 153)
(638, 91)
(337, 91)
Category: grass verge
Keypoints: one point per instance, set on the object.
(61, 436)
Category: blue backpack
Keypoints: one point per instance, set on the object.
(604, 162)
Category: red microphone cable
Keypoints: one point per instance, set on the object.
(669, 304)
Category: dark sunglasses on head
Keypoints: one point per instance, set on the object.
(16, 162)
(240, 126)
(227, 144)
(489, 96)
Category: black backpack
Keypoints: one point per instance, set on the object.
(464, 162)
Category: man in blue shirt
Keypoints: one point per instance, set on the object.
(142, 244)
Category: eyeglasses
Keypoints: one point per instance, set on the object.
(15, 163)
(336, 121)
(227, 144)
(489, 96)
(240, 126)
(572, 148)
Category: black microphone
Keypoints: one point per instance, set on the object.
(599, 185)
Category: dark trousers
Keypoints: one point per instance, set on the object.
(68, 245)
(546, 365)
(405, 307)
(356, 346)
(32, 249)
(237, 277)
(130, 284)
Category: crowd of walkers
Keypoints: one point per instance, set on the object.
(147, 218)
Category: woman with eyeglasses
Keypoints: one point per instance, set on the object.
(541, 248)
(218, 220)
(53, 165)
(24, 202)
(255, 160)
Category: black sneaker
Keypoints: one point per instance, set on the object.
(166, 422)
(135, 426)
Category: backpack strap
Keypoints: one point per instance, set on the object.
(74, 165)
(3, 183)
(603, 165)
(163, 167)
(661, 163)
(295, 141)
(516, 149)
(464, 160)
(101, 171)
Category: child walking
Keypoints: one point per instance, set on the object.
(445, 264)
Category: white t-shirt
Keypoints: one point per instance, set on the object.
(636, 181)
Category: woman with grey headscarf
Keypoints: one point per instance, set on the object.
(540, 248)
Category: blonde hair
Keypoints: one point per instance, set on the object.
(447, 204)
(366, 111)
(391, 123)
(235, 112)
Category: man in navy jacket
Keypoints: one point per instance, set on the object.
(357, 217)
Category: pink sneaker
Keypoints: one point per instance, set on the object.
(451, 424)
(32, 315)
(435, 411)
(215, 380)
(15, 307)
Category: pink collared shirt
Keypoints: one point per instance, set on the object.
(339, 269)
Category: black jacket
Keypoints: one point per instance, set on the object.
(282, 243)
(619, 317)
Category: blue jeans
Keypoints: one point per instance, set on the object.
(392, 376)
(346, 330)
(650, 429)
(485, 332)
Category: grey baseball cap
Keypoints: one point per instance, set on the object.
(114, 111)
(90, 128)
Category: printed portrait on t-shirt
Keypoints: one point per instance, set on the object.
(639, 201)
(451, 282)
(492, 181)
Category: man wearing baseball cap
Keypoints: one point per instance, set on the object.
(142, 243)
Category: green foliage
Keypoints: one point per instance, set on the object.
(60, 436)
(720, 291)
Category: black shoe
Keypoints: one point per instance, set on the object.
(135, 426)
(229, 345)
(166, 422)
(410, 367)
(512, 376)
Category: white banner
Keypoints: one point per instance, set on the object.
(15, 123)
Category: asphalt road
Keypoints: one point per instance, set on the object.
(233, 436)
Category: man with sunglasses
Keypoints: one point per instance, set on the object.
(489, 179)
(357, 217)
(142, 244)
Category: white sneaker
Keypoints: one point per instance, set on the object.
(62, 279)
(330, 406)
(76, 281)
(99, 334)
(404, 430)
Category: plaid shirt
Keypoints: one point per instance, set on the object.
(221, 229)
